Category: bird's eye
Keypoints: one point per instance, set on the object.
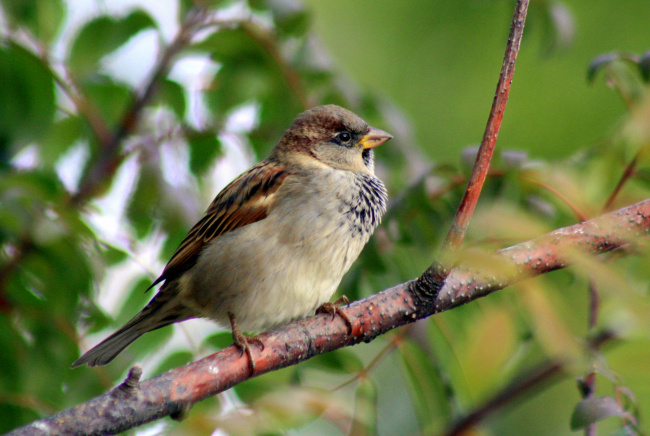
(345, 136)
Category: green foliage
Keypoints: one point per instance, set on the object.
(42, 19)
(27, 95)
(76, 257)
(102, 36)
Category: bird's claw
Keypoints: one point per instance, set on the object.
(334, 309)
(244, 342)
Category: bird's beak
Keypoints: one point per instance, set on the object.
(374, 138)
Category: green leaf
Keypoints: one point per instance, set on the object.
(229, 45)
(187, 6)
(606, 60)
(557, 24)
(591, 410)
(342, 361)
(365, 408)
(174, 360)
(219, 340)
(290, 17)
(599, 63)
(171, 94)
(144, 200)
(136, 299)
(42, 18)
(109, 97)
(27, 95)
(103, 35)
(63, 134)
(113, 255)
(644, 66)
(238, 83)
(204, 148)
(431, 399)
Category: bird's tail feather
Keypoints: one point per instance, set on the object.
(162, 310)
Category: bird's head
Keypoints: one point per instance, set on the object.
(330, 136)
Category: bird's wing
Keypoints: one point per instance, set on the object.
(244, 201)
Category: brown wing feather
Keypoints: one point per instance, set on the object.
(244, 201)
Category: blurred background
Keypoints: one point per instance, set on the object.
(121, 120)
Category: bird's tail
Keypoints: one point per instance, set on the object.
(162, 310)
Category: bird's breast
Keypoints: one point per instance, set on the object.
(286, 265)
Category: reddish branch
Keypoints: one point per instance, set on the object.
(482, 165)
(176, 391)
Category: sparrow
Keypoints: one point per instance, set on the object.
(275, 243)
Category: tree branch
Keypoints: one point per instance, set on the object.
(176, 391)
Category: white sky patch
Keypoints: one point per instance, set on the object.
(27, 158)
(134, 61)
(108, 220)
(78, 12)
(244, 118)
(175, 161)
(195, 73)
(156, 429)
(237, 156)
(71, 164)
(121, 278)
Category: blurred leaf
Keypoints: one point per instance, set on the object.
(429, 396)
(290, 16)
(171, 94)
(219, 340)
(644, 66)
(145, 199)
(204, 148)
(187, 6)
(283, 409)
(591, 410)
(42, 18)
(103, 35)
(113, 255)
(109, 97)
(606, 60)
(174, 360)
(63, 134)
(27, 95)
(558, 26)
(342, 361)
(238, 83)
(136, 298)
(231, 44)
(365, 409)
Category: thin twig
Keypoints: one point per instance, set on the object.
(577, 212)
(481, 166)
(629, 171)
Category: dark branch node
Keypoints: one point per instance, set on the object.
(130, 386)
(425, 288)
(181, 413)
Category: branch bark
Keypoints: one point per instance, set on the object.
(134, 403)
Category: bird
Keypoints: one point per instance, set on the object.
(274, 244)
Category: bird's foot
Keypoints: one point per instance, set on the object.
(334, 309)
(244, 342)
